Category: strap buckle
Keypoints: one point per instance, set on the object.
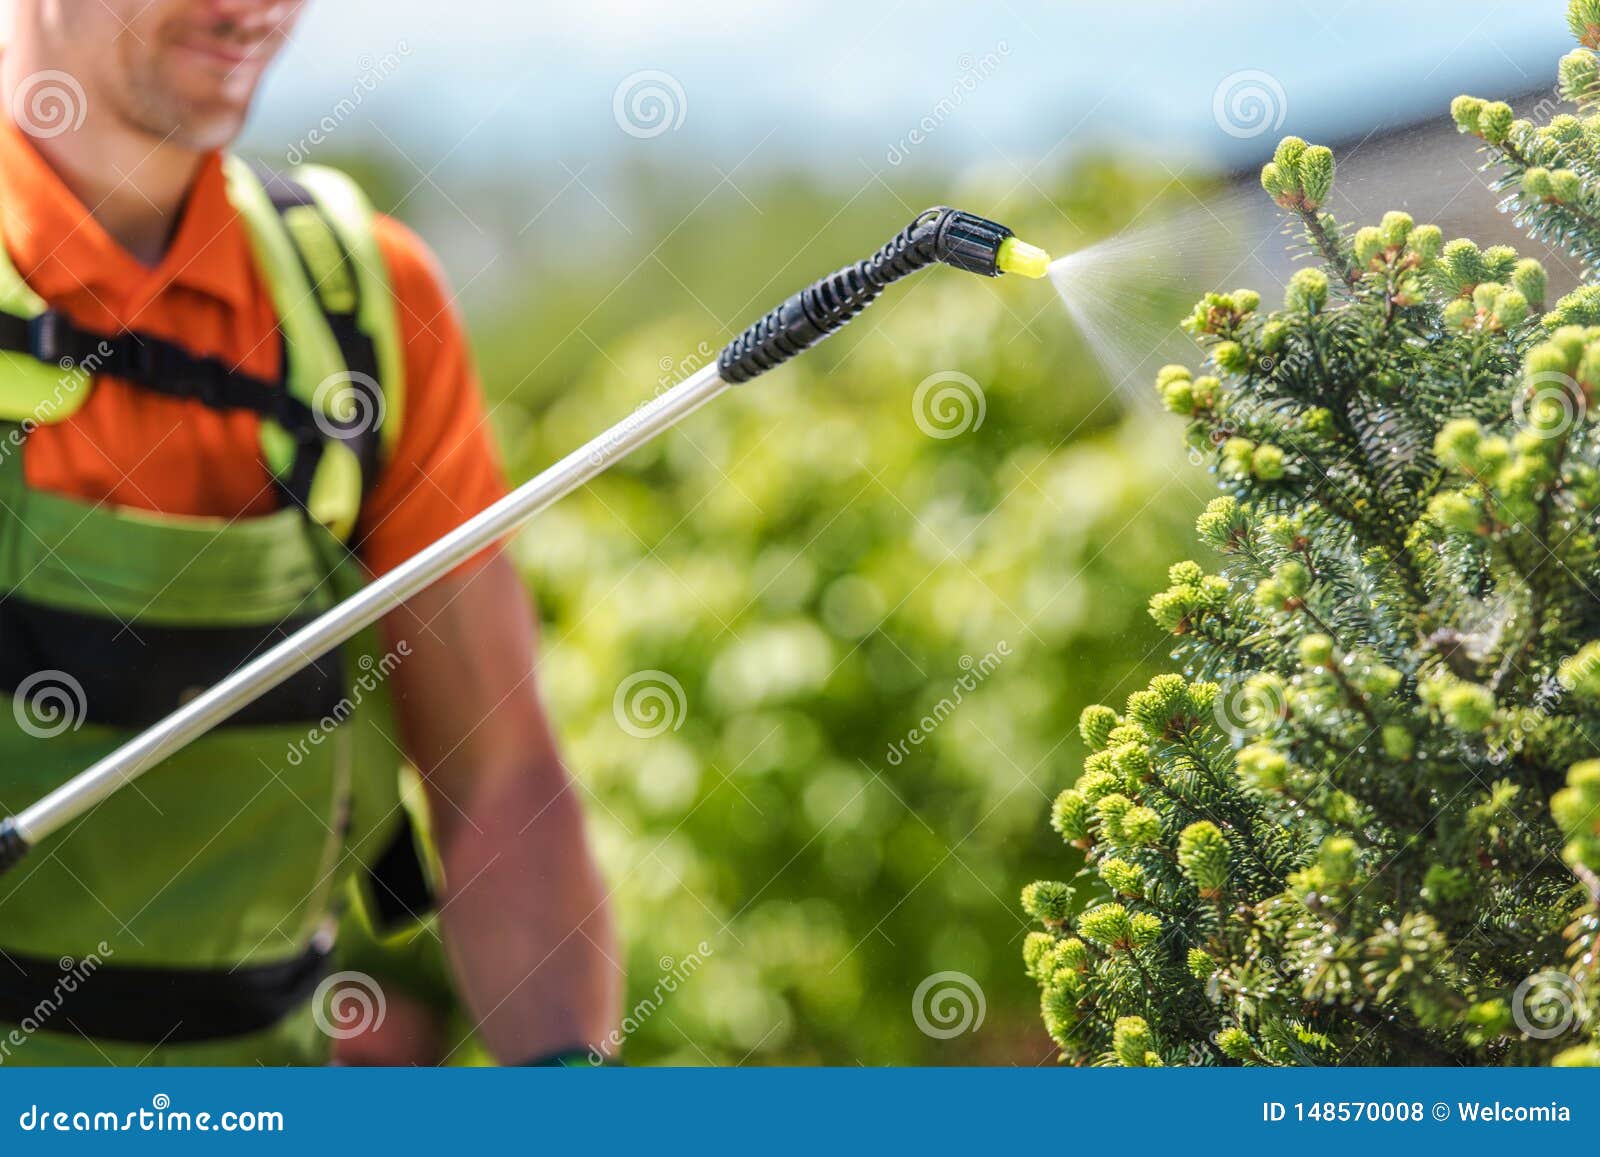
(45, 331)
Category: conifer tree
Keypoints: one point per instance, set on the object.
(1362, 825)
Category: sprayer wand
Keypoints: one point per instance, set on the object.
(938, 235)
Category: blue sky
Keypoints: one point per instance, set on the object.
(493, 83)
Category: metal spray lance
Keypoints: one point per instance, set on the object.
(936, 236)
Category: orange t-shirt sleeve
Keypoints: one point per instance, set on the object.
(444, 467)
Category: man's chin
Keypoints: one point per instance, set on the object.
(196, 127)
(210, 132)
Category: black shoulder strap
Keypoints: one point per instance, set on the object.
(154, 364)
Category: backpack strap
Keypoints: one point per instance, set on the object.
(50, 350)
(330, 222)
(313, 240)
(48, 363)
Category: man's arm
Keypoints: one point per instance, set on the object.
(523, 907)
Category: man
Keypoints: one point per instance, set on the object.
(174, 494)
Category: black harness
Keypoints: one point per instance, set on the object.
(164, 367)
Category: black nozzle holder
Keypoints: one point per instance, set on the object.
(12, 846)
(823, 307)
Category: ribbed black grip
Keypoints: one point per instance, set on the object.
(825, 306)
(12, 846)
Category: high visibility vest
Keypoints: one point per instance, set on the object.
(188, 919)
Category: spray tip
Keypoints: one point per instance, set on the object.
(1017, 256)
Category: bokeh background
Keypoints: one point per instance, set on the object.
(952, 513)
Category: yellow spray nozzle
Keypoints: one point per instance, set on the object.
(1017, 256)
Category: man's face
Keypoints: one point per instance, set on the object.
(181, 70)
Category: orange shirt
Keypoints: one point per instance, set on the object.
(134, 448)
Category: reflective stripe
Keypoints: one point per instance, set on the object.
(322, 253)
(315, 363)
(140, 568)
(348, 210)
(314, 355)
(329, 257)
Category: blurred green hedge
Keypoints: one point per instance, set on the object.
(816, 573)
